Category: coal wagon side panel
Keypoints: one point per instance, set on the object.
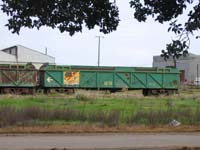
(105, 79)
(18, 76)
(61, 79)
(71, 78)
(171, 81)
(18, 79)
(96, 79)
(53, 79)
(138, 80)
(154, 81)
(146, 80)
(157, 79)
(8, 78)
(170, 78)
(88, 79)
(122, 80)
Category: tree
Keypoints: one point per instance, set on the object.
(66, 15)
(170, 11)
(71, 15)
(175, 50)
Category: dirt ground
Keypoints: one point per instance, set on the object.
(98, 129)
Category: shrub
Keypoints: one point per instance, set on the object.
(111, 118)
(83, 98)
(33, 115)
(8, 116)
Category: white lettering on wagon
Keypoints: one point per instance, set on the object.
(49, 79)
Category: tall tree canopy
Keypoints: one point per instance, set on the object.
(66, 15)
(72, 15)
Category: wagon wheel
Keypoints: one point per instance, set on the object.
(13, 91)
(31, 91)
(69, 91)
(145, 92)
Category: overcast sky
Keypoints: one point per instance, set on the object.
(133, 44)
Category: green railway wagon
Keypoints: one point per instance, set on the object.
(18, 78)
(150, 80)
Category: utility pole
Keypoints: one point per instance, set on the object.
(197, 71)
(46, 50)
(99, 49)
(197, 78)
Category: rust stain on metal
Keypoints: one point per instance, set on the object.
(71, 78)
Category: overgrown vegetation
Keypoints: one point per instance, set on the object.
(109, 111)
(29, 116)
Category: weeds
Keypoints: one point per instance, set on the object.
(185, 116)
(83, 98)
(27, 111)
(10, 116)
(105, 118)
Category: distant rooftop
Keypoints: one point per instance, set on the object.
(22, 54)
(21, 46)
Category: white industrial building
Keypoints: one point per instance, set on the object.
(19, 54)
(189, 66)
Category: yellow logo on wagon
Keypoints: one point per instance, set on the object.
(71, 78)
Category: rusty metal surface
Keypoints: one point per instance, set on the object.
(18, 76)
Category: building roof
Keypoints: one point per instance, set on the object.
(18, 47)
(22, 54)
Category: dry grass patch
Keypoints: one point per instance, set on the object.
(96, 129)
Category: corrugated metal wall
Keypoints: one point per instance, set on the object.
(188, 64)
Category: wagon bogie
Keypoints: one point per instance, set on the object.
(156, 92)
(17, 90)
(59, 90)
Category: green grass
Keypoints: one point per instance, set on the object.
(102, 104)
(107, 109)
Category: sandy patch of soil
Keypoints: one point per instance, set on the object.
(98, 129)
